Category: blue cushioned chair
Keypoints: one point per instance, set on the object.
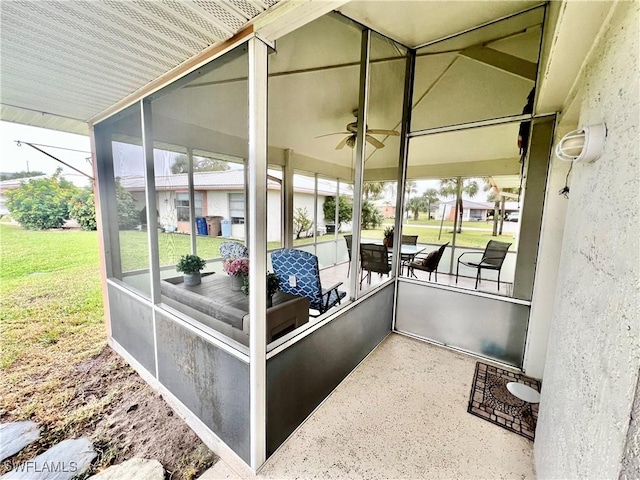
(232, 249)
(299, 274)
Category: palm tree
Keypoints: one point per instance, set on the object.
(496, 198)
(415, 205)
(449, 188)
(430, 196)
(373, 190)
(410, 187)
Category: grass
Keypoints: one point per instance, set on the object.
(51, 319)
(468, 238)
(49, 293)
(54, 367)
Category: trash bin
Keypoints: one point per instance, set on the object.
(226, 228)
(201, 226)
(213, 225)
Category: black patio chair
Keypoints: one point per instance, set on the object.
(492, 259)
(349, 240)
(373, 259)
(428, 263)
(407, 259)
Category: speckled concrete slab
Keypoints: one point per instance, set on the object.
(402, 414)
(61, 462)
(134, 468)
(15, 436)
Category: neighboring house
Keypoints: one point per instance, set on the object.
(386, 207)
(221, 194)
(471, 211)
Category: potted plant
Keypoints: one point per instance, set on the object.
(388, 237)
(273, 285)
(237, 269)
(190, 266)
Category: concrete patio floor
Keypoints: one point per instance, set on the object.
(401, 414)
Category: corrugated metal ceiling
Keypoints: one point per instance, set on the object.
(64, 62)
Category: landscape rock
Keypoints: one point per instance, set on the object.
(15, 436)
(138, 468)
(61, 462)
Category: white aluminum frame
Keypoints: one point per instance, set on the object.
(257, 173)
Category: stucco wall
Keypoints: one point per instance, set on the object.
(593, 356)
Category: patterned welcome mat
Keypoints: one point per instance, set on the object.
(491, 400)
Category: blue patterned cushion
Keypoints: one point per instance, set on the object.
(304, 267)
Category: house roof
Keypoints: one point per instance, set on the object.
(509, 206)
(470, 204)
(222, 180)
(16, 182)
(64, 63)
(68, 62)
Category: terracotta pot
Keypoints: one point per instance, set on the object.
(387, 242)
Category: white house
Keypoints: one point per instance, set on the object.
(222, 194)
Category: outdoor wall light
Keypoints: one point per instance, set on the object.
(583, 145)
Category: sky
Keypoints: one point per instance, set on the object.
(14, 158)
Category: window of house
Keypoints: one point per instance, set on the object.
(182, 205)
(236, 208)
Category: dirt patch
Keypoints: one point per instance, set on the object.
(109, 403)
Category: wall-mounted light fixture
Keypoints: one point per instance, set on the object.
(583, 145)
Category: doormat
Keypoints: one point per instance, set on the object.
(491, 401)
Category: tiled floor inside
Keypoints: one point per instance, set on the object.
(332, 275)
(402, 414)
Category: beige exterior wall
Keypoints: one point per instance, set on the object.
(593, 358)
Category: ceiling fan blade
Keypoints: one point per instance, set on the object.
(341, 145)
(336, 133)
(375, 142)
(378, 131)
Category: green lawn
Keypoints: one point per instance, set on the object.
(51, 319)
(49, 291)
(468, 238)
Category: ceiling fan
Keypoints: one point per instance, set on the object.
(352, 131)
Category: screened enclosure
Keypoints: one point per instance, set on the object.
(318, 146)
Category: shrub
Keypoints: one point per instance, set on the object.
(371, 216)
(128, 215)
(41, 203)
(82, 209)
(189, 264)
(301, 221)
(345, 210)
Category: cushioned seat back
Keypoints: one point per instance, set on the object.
(298, 273)
(430, 263)
(233, 250)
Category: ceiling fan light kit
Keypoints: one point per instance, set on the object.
(352, 132)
